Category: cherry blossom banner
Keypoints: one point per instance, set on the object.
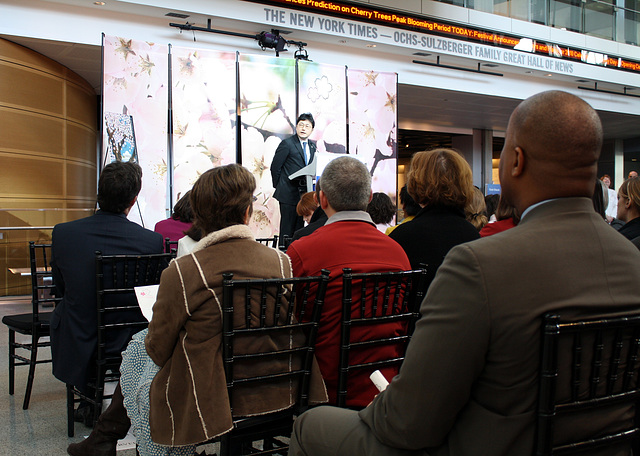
(373, 125)
(268, 115)
(322, 92)
(135, 84)
(203, 96)
(207, 131)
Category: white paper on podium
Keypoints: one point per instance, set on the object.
(146, 297)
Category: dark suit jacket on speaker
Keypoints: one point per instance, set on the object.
(287, 160)
(74, 320)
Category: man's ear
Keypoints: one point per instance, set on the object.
(518, 165)
(370, 195)
(324, 203)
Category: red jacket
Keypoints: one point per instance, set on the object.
(360, 246)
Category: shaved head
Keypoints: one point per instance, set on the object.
(551, 150)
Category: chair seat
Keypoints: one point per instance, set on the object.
(22, 323)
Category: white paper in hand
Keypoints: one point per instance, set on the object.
(146, 297)
(378, 379)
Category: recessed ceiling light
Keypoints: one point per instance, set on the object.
(548, 74)
(528, 72)
(342, 41)
(371, 45)
(99, 3)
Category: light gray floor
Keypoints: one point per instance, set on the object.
(42, 429)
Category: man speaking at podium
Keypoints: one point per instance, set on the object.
(292, 154)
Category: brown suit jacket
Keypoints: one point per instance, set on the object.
(468, 385)
(188, 397)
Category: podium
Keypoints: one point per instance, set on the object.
(308, 172)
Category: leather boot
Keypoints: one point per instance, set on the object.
(113, 425)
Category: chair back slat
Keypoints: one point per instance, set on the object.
(269, 241)
(266, 294)
(42, 286)
(117, 307)
(599, 374)
(376, 299)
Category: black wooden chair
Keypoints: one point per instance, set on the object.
(372, 299)
(279, 322)
(119, 317)
(170, 246)
(270, 241)
(589, 373)
(35, 323)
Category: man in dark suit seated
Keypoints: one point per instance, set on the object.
(293, 154)
(468, 384)
(74, 320)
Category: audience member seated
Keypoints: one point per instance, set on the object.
(409, 208)
(441, 183)
(612, 207)
(491, 201)
(381, 210)
(349, 239)
(468, 384)
(507, 218)
(476, 210)
(629, 207)
(180, 221)
(189, 241)
(74, 320)
(173, 381)
(318, 219)
(306, 207)
(600, 198)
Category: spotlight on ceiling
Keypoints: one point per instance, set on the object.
(272, 40)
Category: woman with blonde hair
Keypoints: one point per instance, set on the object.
(629, 207)
(476, 210)
(440, 181)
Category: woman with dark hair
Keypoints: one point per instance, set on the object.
(173, 379)
(180, 221)
(506, 218)
(381, 210)
(409, 208)
(629, 207)
(440, 181)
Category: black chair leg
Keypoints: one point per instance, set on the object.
(70, 420)
(12, 360)
(32, 370)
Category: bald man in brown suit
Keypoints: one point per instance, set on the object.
(468, 385)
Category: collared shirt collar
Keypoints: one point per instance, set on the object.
(350, 216)
(527, 210)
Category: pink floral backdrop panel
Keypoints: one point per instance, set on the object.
(323, 93)
(373, 125)
(203, 99)
(136, 84)
(268, 115)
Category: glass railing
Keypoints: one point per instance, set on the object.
(592, 17)
(19, 226)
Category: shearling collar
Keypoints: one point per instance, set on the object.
(216, 237)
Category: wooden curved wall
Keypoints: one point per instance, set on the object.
(48, 131)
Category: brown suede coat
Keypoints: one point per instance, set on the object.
(188, 397)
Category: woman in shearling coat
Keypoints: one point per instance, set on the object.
(178, 397)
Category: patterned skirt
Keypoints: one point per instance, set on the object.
(136, 374)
